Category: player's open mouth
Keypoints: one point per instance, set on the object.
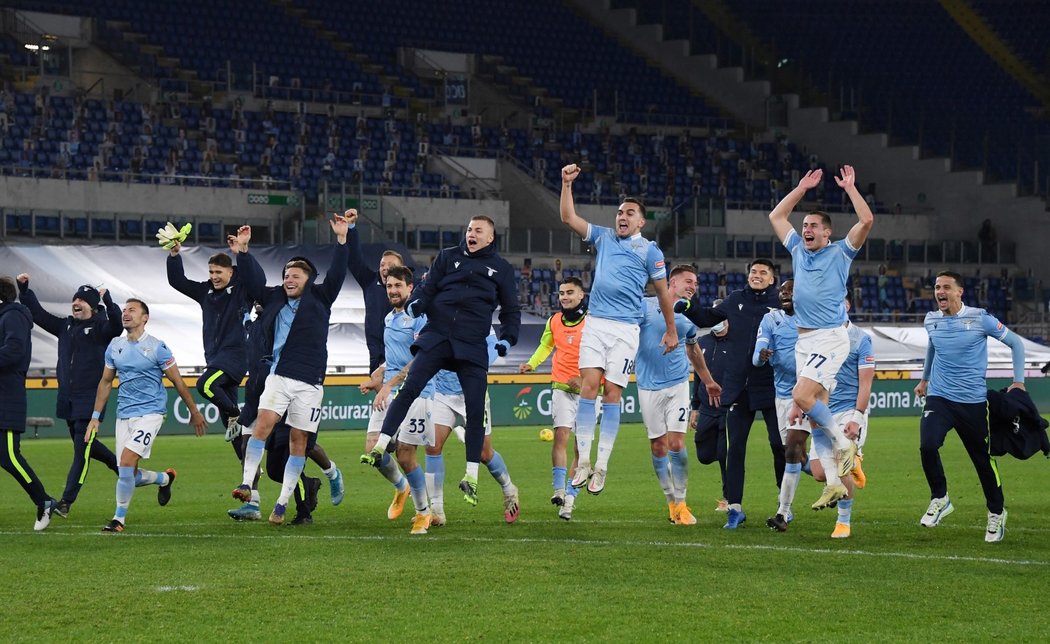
(77, 308)
(809, 237)
(621, 226)
(471, 243)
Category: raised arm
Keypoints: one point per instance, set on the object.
(859, 233)
(363, 275)
(46, 321)
(333, 279)
(568, 208)
(177, 277)
(196, 418)
(250, 273)
(779, 216)
(110, 327)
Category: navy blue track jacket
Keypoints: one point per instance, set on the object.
(376, 303)
(744, 308)
(16, 348)
(305, 353)
(459, 295)
(223, 311)
(716, 355)
(81, 351)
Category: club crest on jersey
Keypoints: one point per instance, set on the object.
(967, 324)
(87, 331)
(491, 270)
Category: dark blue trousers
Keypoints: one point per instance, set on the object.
(473, 378)
(82, 455)
(970, 421)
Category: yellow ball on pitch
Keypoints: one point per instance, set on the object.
(546, 434)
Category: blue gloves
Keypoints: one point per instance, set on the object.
(502, 347)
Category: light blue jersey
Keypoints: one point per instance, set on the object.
(778, 332)
(847, 382)
(447, 382)
(282, 327)
(960, 353)
(653, 369)
(820, 282)
(623, 268)
(401, 331)
(140, 366)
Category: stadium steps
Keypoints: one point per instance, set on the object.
(982, 33)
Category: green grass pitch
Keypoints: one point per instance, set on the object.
(617, 572)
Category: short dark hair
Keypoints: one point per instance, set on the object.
(145, 307)
(484, 218)
(402, 273)
(8, 289)
(636, 201)
(681, 268)
(952, 274)
(824, 218)
(301, 264)
(762, 261)
(575, 281)
(220, 259)
(394, 253)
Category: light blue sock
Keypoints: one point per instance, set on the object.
(845, 510)
(558, 478)
(253, 453)
(663, 475)
(586, 418)
(788, 487)
(679, 473)
(435, 477)
(498, 470)
(607, 438)
(822, 416)
(388, 467)
(149, 477)
(125, 489)
(418, 484)
(293, 467)
(572, 491)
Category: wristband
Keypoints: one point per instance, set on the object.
(858, 416)
(95, 415)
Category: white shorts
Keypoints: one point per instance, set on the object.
(820, 353)
(138, 433)
(665, 410)
(610, 346)
(843, 418)
(783, 409)
(416, 429)
(563, 408)
(300, 400)
(447, 407)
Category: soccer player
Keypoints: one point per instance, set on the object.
(417, 427)
(561, 335)
(16, 348)
(953, 381)
(775, 345)
(224, 298)
(139, 360)
(447, 405)
(464, 286)
(297, 312)
(82, 341)
(746, 388)
(663, 392)
(373, 289)
(626, 261)
(820, 270)
(259, 348)
(709, 416)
